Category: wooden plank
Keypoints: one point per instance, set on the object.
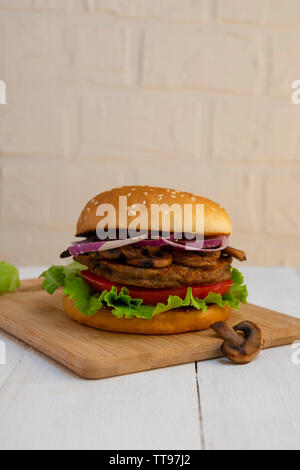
(38, 319)
(274, 288)
(12, 352)
(46, 407)
(251, 407)
(255, 406)
(31, 285)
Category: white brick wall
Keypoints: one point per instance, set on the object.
(18, 5)
(34, 122)
(187, 11)
(184, 57)
(138, 126)
(256, 132)
(33, 48)
(100, 53)
(194, 94)
(282, 199)
(260, 12)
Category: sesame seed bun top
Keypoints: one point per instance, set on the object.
(216, 220)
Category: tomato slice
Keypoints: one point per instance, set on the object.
(154, 296)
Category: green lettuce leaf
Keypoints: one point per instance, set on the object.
(9, 278)
(86, 300)
(123, 305)
(176, 302)
(56, 276)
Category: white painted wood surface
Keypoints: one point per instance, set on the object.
(44, 406)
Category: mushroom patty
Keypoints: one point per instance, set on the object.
(196, 259)
(149, 257)
(172, 276)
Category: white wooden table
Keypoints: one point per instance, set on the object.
(208, 405)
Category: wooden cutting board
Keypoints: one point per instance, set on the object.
(37, 318)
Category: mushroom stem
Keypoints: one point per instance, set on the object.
(230, 336)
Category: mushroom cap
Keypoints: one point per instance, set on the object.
(251, 346)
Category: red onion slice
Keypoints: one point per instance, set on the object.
(82, 248)
(88, 247)
(212, 244)
(206, 245)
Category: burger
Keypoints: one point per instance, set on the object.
(135, 270)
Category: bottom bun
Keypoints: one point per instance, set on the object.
(171, 322)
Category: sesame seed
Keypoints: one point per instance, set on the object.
(193, 198)
(146, 194)
(182, 195)
(129, 194)
(174, 197)
(88, 209)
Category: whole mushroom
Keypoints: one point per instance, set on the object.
(240, 349)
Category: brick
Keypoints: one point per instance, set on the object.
(33, 122)
(128, 126)
(189, 11)
(268, 12)
(282, 206)
(15, 4)
(284, 65)
(179, 56)
(34, 49)
(117, 7)
(256, 132)
(280, 13)
(50, 5)
(100, 53)
(50, 194)
(233, 189)
(243, 11)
